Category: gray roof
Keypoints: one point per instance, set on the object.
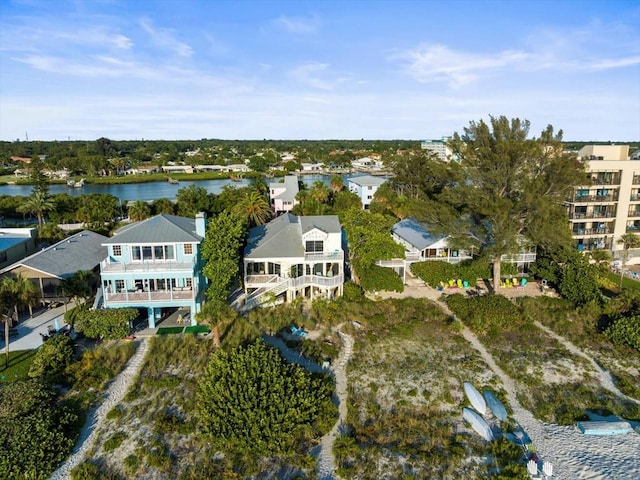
(161, 228)
(368, 180)
(291, 188)
(414, 233)
(82, 251)
(282, 236)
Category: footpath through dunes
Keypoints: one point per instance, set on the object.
(326, 460)
(114, 394)
(573, 454)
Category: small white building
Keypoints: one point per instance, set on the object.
(421, 245)
(282, 195)
(365, 186)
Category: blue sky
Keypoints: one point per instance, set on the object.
(241, 69)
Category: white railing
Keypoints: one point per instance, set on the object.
(519, 257)
(108, 266)
(177, 294)
(330, 256)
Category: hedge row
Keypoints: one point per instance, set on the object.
(434, 272)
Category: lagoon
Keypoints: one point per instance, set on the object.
(152, 190)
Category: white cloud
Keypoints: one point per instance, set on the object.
(298, 25)
(439, 63)
(308, 74)
(165, 38)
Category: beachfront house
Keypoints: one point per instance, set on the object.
(365, 186)
(48, 267)
(155, 264)
(282, 195)
(294, 256)
(421, 245)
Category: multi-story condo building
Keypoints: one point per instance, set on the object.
(439, 147)
(155, 264)
(607, 205)
(292, 257)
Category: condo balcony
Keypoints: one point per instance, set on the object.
(585, 198)
(578, 215)
(605, 178)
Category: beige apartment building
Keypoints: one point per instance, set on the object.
(608, 204)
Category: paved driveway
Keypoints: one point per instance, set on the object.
(29, 329)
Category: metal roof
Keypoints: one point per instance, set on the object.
(414, 233)
(82, 251)
(162, 228)
(290, 185)
(368, 180)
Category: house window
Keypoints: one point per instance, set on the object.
(136, 253)
(119, 285)
(188, 282)
(188, 249)
(117, 250)
(369, 187)
(147, 253)
(273, 268)
(314, 246)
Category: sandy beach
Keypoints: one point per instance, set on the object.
(572, 454)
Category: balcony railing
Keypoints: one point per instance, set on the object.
(636, 179)
(590, 231)
(594, 246)
(635, 197)
(634, 212)
(253, 281)
(592, 198)
(107, 266)
(138, 296)
(580, 215)
(633, 228)
(519, 257)
(611, 180)
(320, 257)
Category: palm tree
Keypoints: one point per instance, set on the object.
(337, 183)
(37, 203)
(628, 240)
(214, 313)
(139, 210)
(320, 193)
(15, 292)
(253, 208)
(163, 205)
(78, 286)
(24, 292)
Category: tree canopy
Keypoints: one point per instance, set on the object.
(512, 186)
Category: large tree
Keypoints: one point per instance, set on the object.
(512, 187)
(221, 250)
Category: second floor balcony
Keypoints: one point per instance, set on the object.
(109, 266)
(150, 296)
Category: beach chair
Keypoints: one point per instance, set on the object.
(452, 283)
(459, 283)
(547, 469)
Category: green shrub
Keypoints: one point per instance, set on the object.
(625, 330)
(114, 441)
(436, 272)
(85, 471)
(115, 412)
(488, 314)
(100, 365)
(252, 402)
(36, 431)
(375, 278)
(132, 464)
(352, 292)
(107, 324)
(52, 358)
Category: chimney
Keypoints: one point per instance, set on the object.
(201, 224)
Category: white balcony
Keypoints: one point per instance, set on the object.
(138, 296)
(107, 266)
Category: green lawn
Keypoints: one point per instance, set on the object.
(19, 364)
(192, 329)
(626, 281)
